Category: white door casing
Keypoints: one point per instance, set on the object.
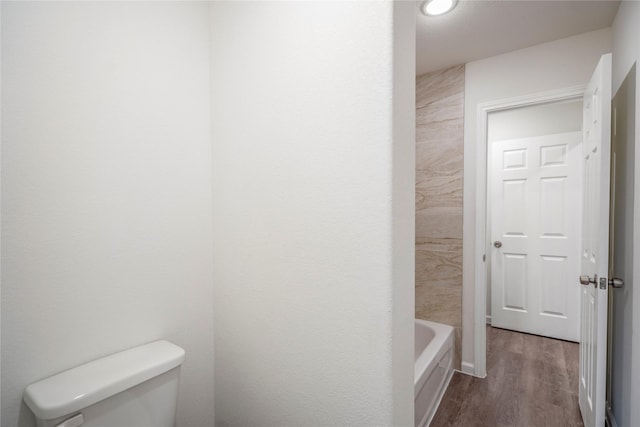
(595, 244)
(535, 188)
(480, 226)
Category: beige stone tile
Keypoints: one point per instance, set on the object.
(437, 132)
(440, 157)
(439, 222)
(438, 84)
(448, 167)
(440, 171)
(447, 108)
(440, 245)
(439, 262)
(441, 191)
(438, 268)
(457, 348)
(439, 181)
(440, 304)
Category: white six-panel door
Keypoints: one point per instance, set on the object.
(595, 244)
(535, 193)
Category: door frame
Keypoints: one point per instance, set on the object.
(479, 368)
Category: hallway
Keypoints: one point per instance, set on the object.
(531, 381)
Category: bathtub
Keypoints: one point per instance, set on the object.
(433, 368)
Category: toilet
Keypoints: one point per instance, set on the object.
(134, 388)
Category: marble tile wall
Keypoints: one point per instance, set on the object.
(439, 167)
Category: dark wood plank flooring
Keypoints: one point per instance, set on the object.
(531, 381)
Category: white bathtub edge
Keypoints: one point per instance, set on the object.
(439, 349)
(439, 399)
(429, 359)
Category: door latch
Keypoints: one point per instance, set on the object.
(616, 282)
(603, 283)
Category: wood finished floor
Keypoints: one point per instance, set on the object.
(531, 381)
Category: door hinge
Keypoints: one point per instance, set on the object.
(603, 283)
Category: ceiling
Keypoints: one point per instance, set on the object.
(478, 29)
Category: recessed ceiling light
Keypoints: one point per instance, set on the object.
(437, 7)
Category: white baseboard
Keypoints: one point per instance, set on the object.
(488, 319)
(468, 368)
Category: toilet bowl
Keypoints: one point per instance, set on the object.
(136, 387)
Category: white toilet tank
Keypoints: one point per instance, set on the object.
(134, 388)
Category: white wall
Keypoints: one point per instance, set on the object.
(536, 120)
(626, 52)
(550, 66)
(313, 187)
(403, 229)
(106, 191)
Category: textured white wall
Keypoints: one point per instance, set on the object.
(626, 52)
(106, 191)
(313, 255)
(550, 66)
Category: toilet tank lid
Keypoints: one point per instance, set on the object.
(77, 388)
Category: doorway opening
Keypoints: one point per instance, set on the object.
(511, 112)
(533, 189)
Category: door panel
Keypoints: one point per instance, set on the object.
(553, 217)
(535, 186)
(595, 244)
(515, 198)
(554, 297)
(515, 279)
